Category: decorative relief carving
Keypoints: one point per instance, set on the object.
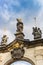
(17, 53)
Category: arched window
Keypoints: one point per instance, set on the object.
(21, 63)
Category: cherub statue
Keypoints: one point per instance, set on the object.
(40, 32)
(37, 33)
(4, 39)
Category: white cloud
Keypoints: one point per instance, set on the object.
(40, 14)
(5, 15)
(16, 2)
(40, 2)
(5, 6)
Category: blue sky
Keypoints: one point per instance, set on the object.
(21, 63)
(24, 9)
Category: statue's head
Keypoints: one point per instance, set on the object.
(19, 20)
(4, 36)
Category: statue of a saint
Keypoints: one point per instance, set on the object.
(19, 25)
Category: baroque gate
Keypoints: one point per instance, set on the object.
(22, 49)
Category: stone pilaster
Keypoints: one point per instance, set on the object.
(39, 55)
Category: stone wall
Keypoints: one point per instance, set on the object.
(33, 55)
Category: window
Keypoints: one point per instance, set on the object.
(21, 63)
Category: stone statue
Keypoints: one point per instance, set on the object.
(4, 39)
(19, 25)
(19, 32)
(37, 33)
(40, 32)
